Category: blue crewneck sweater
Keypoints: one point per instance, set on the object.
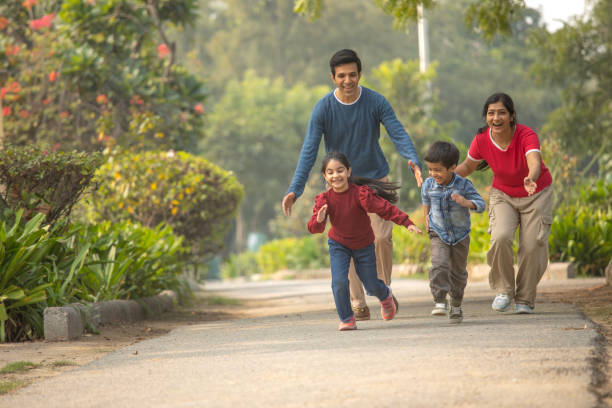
(353, 129)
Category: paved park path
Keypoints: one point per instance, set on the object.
(297, 358)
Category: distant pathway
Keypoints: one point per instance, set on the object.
(299, 359)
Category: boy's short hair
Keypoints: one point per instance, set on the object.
(342, 57)
(443, 152)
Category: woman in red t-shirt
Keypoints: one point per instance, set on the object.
(347, 204)
(521, 195)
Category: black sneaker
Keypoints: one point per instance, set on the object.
(455, 314)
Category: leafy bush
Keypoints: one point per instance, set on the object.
(126, 260)
(45, 180)
(195, 197)
(244, 264)
(53, 266)
(582, 231)
(26, 249)
(309, 252)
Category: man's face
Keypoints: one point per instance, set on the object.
(347, 80)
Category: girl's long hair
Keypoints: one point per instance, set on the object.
(384, 189)
(508, 104)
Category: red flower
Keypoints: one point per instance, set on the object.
(29, 3)
(55, 147)
(43, 22)
(183, 116)
(101, 99)
(11, 50)
(64, 114)
(136, 100)
(46, 101)
(162, 50)
(199, 108)
(53, 76)
(24, 113)
(15, 87)
(6, 111)
(3, 92)
(3, 23)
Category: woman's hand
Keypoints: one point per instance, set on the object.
(414, 229)
(530, 186)
(322, 214)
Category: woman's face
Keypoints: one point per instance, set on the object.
(498, 118)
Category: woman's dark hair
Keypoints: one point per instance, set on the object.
(506, 100)
(443, 152)
(383, 189)
(342, 57)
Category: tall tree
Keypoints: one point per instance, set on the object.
(578, 58)
(256, 130)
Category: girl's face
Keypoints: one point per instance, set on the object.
(498, 119)
(336, 175)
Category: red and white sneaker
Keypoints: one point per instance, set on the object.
(348, 325)
(387, 307)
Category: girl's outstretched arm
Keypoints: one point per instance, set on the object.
(314, 225)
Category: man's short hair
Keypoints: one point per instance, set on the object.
(443, 152)
(342, 57)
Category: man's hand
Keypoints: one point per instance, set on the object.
(322, 214)
(288, 201)
(417, 172)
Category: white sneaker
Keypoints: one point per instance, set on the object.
(501, 303)
(439, 309)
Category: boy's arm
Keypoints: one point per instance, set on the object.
(471, 194)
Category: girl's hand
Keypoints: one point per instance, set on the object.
(530, 185)
(414, 229)
(322, 214)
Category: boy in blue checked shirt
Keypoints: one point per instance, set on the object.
(447, 200)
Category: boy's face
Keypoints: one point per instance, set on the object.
(440, 173)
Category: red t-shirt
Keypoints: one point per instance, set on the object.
(510, 166)
(348, 214)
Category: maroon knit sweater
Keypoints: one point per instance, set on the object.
(348, 214)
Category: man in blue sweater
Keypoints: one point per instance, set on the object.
(349, 120)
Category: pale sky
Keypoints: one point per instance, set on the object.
(553, 10)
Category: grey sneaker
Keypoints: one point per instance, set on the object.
(501, 303)
(521, 308)
(455, 315)
(439, 309)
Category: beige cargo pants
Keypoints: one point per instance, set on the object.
(533, 216)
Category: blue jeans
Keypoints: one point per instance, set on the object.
(365, 266)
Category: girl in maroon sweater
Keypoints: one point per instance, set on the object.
(347, 203)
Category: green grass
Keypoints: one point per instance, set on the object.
(220, 300)
(17, 367)
(11, 385)
(63, 363)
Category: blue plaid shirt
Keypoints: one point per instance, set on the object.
(447, 218)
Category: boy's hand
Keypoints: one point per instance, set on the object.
(322, 213)
(414, 229)
(462, 201)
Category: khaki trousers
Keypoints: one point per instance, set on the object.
(383, 247)
(533, 216)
